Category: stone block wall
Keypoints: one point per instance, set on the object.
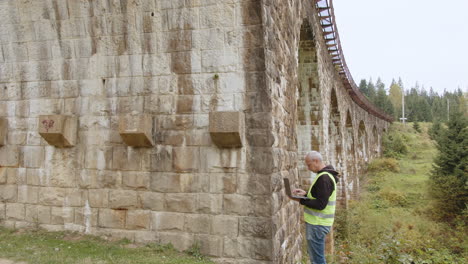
(312, 110)
(173, 63)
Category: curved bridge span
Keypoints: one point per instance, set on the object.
(175, 121)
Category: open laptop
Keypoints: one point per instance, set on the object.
(287, 187)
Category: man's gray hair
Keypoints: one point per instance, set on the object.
(314, 155)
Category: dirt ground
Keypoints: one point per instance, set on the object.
(6, 261)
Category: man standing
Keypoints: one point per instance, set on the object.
(319, 206)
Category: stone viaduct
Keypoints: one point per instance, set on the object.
(174, 121)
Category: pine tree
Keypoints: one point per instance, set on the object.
(380, 94)
(463, 104)
(411, 103)
(449, 177)
(416, 126)
(363, 88)
(424, 110)
(400, 83)
(435, 130)
(439, 109)
(389, 107)
(381, 99)
(371, 91)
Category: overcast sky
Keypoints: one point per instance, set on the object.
(424, 41)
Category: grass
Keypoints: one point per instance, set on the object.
(38, 246)
(391, 222)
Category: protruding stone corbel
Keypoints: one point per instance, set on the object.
(3, 130)
(58, 130)
(136, 130)
(227, 128)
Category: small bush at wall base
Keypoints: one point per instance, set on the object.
(195, 251)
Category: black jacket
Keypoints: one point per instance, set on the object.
(322, 189)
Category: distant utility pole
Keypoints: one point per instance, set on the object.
(448, 110)
(403, 118)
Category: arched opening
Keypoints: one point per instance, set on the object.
(335, 148)
(350, 152)
(375, 143)
(362, 148)
(308, 102)
(334, 133)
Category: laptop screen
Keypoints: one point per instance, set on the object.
(287, 187)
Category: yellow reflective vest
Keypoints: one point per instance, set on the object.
(326, 216)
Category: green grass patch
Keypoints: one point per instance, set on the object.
(38, 246)
(392, 221)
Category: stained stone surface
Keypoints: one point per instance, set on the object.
(3, 130)
(9, 156)
(264, 64)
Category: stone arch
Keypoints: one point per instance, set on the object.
(308, 102)
(350, 152)
(334, 144)
(362, 145)
(375, 142)
(335, 148)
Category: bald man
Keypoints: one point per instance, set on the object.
(319, 205)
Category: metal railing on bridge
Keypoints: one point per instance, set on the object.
(326, 15)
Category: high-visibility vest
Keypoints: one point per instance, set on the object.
(326, 216)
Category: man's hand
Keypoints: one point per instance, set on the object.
(299, 192)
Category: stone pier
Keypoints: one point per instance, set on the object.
(174, 121)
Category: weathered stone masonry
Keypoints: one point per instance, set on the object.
(172, 121)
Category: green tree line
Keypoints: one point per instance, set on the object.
(449, 177)
(421, 105)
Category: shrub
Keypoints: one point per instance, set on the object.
(394, 145)
(195, 250)
(384, 164)
(416, 126)
(394, 198)
(372, 188)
